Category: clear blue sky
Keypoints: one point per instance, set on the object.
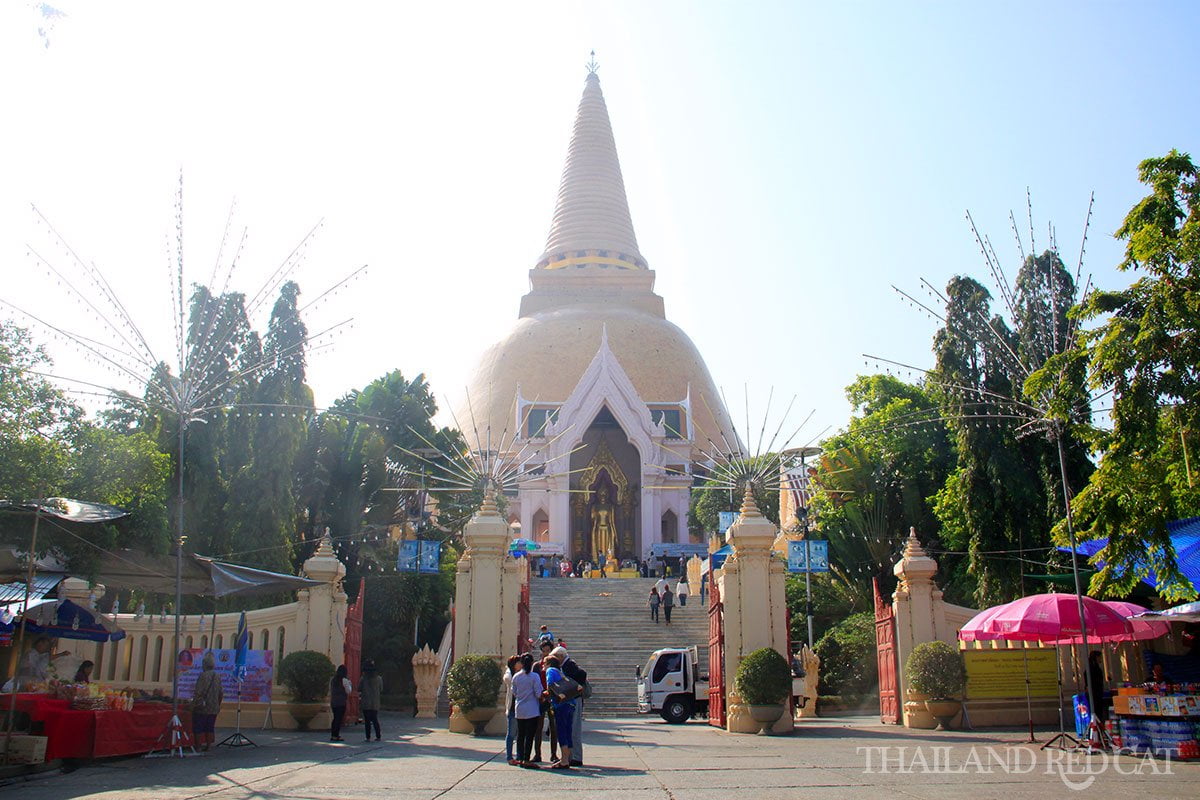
(785, 162)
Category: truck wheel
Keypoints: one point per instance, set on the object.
(677, 710)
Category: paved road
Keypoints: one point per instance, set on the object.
(628, 758)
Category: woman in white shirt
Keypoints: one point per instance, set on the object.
(510, 709)
(527, 691)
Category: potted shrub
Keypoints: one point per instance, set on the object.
(936, 669)
(473, 684)
(305, 674)
(764, 681)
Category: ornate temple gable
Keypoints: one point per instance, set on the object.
(605, 384)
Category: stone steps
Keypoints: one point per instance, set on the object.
(606, 624)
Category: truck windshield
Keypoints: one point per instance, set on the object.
(667, 663)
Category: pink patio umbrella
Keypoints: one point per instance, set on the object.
(977, 629)
(1054, 617)
(1139, 629)
(1051, 619)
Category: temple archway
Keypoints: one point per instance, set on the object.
(605, 500)
(670, 527)
(541, 526)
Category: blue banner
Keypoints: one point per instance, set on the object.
(808, 555)
(430, 558)
(725, 520)
(419, 556)
(407, 560)
(242, 646)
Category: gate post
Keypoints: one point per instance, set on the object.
(752, 591)
(487, 590)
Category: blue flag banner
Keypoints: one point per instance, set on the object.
(242, 646)
(431, 557)
(808, 555)
(419, 556)
(409, 551)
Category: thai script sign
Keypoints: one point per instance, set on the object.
(256, 686)
(993, 674)
(808, 555)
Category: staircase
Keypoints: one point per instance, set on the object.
(606, 624)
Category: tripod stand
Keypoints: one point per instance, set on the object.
(237, 738)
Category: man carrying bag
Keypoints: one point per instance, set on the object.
(577, 675)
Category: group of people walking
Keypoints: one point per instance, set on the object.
(663, 596)
(544, 693)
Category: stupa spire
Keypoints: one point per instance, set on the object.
(591, 224)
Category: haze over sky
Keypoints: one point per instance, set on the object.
(785, 162)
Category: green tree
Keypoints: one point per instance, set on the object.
(847, 651)
(261, 509)
(1006, 491)
(35, 419)
(1145, 351)
(358, 479)
(876, 479)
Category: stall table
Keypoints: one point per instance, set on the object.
(1158, 722)
(79, 734)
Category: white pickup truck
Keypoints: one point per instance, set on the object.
(670, 684)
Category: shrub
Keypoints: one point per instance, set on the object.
(763, 678)
(847, 650)
(936, 669)
(306, 675)
(473, 682)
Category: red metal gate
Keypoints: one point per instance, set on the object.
(352, 647)
(522, 620)
(716, 658)
(885, 654)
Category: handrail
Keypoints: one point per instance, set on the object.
(444, 654)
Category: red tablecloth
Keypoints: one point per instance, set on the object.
(96, 734)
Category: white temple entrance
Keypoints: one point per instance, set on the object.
(605, 472)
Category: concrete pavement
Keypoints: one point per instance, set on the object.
(638, 758)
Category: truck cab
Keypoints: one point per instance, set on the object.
(671, 685)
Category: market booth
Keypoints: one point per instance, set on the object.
(79, 719)
(91, 725)
(1163, 715)
(1159, 718)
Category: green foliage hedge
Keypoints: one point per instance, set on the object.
(306, 675)
(474, 682)
(847, 651)
(936, 669)
(763, 678)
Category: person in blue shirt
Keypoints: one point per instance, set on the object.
(564, 712)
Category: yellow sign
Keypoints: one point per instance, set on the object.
(993, 674)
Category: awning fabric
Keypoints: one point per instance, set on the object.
(12, 595)
(1185, 540)
(201, 576)
(66, 509)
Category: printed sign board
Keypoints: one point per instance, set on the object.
(419, 556)
(725, 519)
(993, 674)
(808, 555)
(256, 686)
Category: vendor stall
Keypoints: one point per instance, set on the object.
(1160, 718)
(73, 730)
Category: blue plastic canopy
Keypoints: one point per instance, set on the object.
(1185, 539)
(66, 620)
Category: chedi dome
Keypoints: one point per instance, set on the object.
(593, 382)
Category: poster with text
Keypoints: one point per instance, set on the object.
(256, 688)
